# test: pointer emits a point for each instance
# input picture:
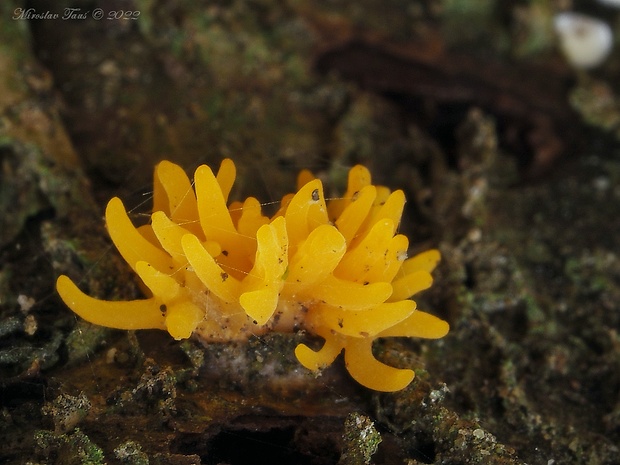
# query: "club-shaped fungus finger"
(226, 177)
(425, 261)
(129, 242)
(362, 323)
(173, 195)
(182, 319)
(369, 372)
(134, 314)
(356, 212)
(349, 294)
(215, 218)
(306, 211)
(410, 284)
(214, 278)
(317, 256)
(419, 324)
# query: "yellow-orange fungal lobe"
(223, 271)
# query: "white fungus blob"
(585, 41)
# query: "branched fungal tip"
(337, 269)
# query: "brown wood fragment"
(528, 100)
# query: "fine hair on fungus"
(224, 271)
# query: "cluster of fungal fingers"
(224, 271)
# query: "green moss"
(361, 440)
(598, 104)
(15, 48)
(533, 32)
(68, 449)
(131, 453)
(472, 23)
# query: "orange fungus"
(224, 271)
